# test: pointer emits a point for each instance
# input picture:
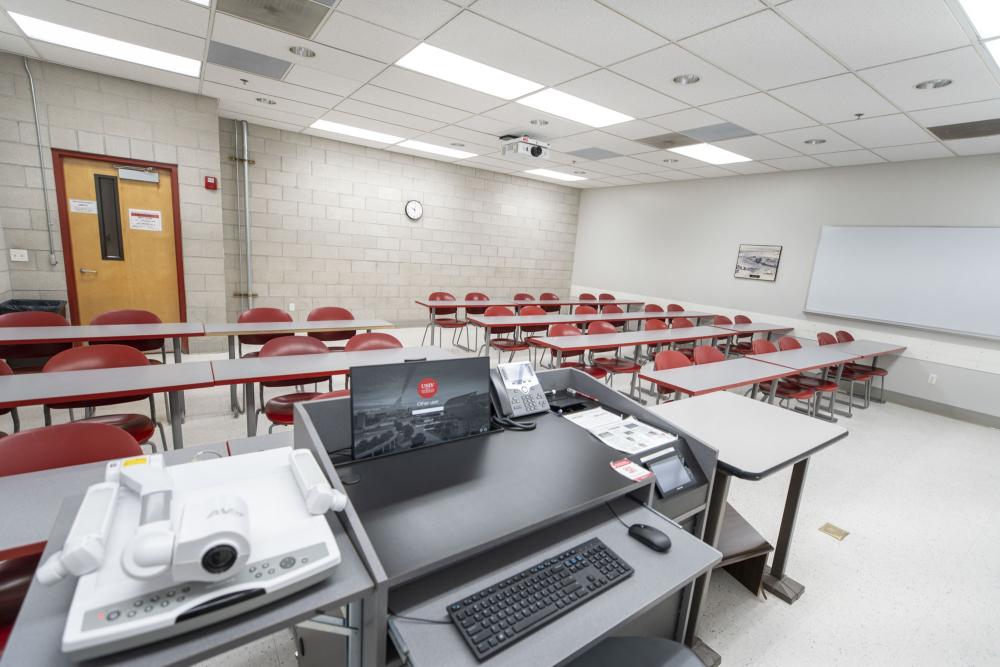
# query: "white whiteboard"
(941, 278)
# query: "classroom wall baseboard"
(942, 409)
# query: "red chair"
(585, 310)
(666, 360)
(683, 323)
(31, 358)
(606, 296)
(527, 330)
(587, 296)
(331, 313)
(5, 370)
(612, 309)
(654, 308)
(523, 296)
(97, 357)
(475, 296)
(503, 339)
(708, 354)
(373, 341)
(817, 384)
(130, 316)
(279, 410)
(846, 337)
(742, 342)
(446, 318)
(787, 389)
(614, 365)
(571, 330)
(721, 320)
(852, 374)
(675, 308)
(260, 316)
(42, 449)
(653, 325)
(550, 296)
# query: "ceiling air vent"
(979, 128)
(668, 141)
(719, 132)
(299, 17)
(593, 154)
(234, 57)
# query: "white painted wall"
(678, 242)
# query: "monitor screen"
(671, 474)
(397, 407)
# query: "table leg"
(248, 402)
(234, 401)
(180, 394)
(775, 579)
(713, 529)
(729, 345)
(485, 347)
(774, 390)
(175, 420)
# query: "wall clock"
(414, 209)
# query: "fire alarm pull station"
(211, 183)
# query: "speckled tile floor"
(917, 581)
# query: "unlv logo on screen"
(427, 388)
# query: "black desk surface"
(428, 508)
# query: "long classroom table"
(719, 376)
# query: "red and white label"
(633, 471)
(427, 388)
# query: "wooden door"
(120, 237)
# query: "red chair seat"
(616, 365)
(855, 375)
(508, 344)
(788, 389)
(449, 323)
(251, 355)
(340, 393)
(593, 371)
(741, 349)
(816, 384)
(138, 426)
(280, 408)
(862, 368)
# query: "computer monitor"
(398, 407)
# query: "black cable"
(418, 620)
(617, 516)
(511, 425)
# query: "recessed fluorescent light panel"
(105, 46)
(569, 106)
(454, 68)
(994, 48)
(351, 131)
(558, 175)
(985, 16)
(436, 150)
(710, 154)
(203, 3)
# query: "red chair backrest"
(523, 296)
(670, 359)
(499, 311)
(762, 346)
(653, 308)
(601, 328)
(742, 319)
(289, 346)
(675, 308)
(532, 310)
(721, 319)
(260, 315)
(606, 296)
(613, 309)
(548, 296)
(708, 354)
(5, 369)
(96, 357)
(681, 323)
(326, 313)
(585, 310)
(475, 296)
(824, 338)
(372, 341)
(844, 336)
(130, 316)
(653, 325)
(32, 319)
(788, 343)
(587, 296)
(64, 445)
(443, 296)
(564, 330)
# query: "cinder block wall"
(328, 228)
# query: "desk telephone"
(516, 390)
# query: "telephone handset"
(516, 390)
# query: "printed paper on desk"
(626, 435)
(633, 471)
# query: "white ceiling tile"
(487, 42)
(751, 168)
(522, 164)
(627, 163)
(797, 139)
(756, 148)
(926, 151)
(391, 99)
(849, 158)
(248, 97)
(609, 142)
(7, 24)
(367, 39)
(689, 119)
(666, 160)
(972, 81)
(796, 163)
(492, 164)
(634, 129)
(835, 99)
(863, 33)
(648, 178)
(582, 27)
(179, 15)
(602, 168)
(619, 180)
(451, 142)
(977, 146)
(895, 130)
(465, 134)
(119, 68)
(383, 114)
(242, 110)
(14, 44)
(961, 113)
(710, 171)
(682, 176)
(658, 68)
(366, 123)
(337, 137)
(676, 19)
(618, 93)
(764, 50)
(759, 113)
(435, 90)
(517, 120)
(265, 122)
(322, 81)
(417, 18)
(429, 156)
(268, 87)
(252, 37)
(486, 125)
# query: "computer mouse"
(654, 538)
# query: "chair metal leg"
(426, 329)
(16, 419)
(47, 414)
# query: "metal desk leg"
(234, 401)
(177, 360)
(713, 529)
(775, 579)
(175, 420)
(248, 402)
(485, 347)
(729, 345)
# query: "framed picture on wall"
(758, 262)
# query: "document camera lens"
(219, 558)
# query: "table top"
(868, 348)
(96, 332)
(554, 318)
(66, 386)
(264, 369)
(628, 338)
(249, 328)
(718, 376)
(808, 358)
(463, 303)
(754, 439)
(755, 327)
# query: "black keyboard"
(505, 613)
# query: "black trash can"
(25, 305)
